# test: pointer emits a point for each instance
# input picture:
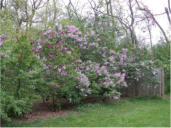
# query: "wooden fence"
(147, 90)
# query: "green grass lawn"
(133, 112)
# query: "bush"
(66, 65)
(86, 64)
(18, 66)
(162, 59)
(12, 107)
(93, 68)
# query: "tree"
(151, 16)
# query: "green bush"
(162, 59)
(12, 107)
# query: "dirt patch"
(41, 116)
(41, 111)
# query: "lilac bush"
(82, 59)
(62, 76)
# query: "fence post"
(162, 82)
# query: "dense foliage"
(63, 55)
(65, 64)
(162, 59)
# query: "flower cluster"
(107, 78)
(83, 80)
(123, 56)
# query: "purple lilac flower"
(124, 50)
(98, 73)
(111, 58)
(32, 42)
(103, 67)
(53, 85)
(0, 43)
(39, 46)
(123, 56)
(77, 79)
(116, 74)
(49, 55)
(112, 52)
(47, 32)
(50, 31)
(121, 79)
(87, 68)
(84, 79)
(36, 51)
(59, 43)
(72, 29)
(63, 73)
(3, 36)
(116, 98)
(82, 89)
(38, 57)
(60, 28)
(85, 43)
(64, 49)
(43, 42)
(92, 33)
(55, 53)
(50, 46)
(79, 61)
(78, 40)
(64, 67)
(92, 44)
(105, 63)
(49, 66)
(58, 86)
(96, 67)
(79, 33)
(115, 68)
(106, 72)
(69, 35)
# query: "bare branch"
(169, 6)
(2, 4)
(149, 14)
(168, 16)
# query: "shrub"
(12, 107)
(162, 59)
(18, 66)
(82, 61)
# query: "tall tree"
(151, 16)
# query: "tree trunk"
(18, 89)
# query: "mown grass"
(132, 112)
